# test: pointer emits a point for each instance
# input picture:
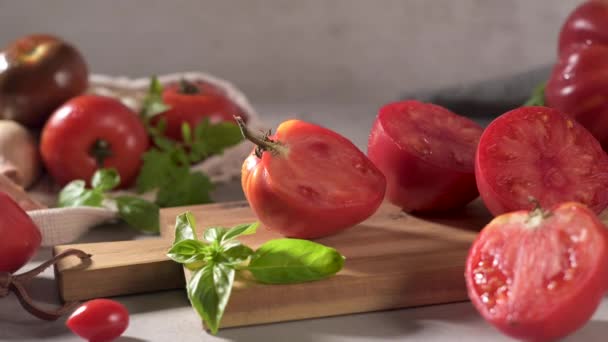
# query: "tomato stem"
(100, 150)
(263, 141)
(188, 88)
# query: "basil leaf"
(156, 170)
(74, 194)
(241, 229)
(209, 291)
(538, 96)
(236, 253)
(214, 234)
(186, 133)
(188, 251)
(105, 179)
(153, 103)
(285, 261)
(185, 226)
(190, 188)
(139, 213)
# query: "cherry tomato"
(99, 320)
(578, 85)
(19, 236)
(427, 154)
(91, 132)
(539, 275)
(308, 181)
(38, 73)
(191, 103)
(539, 152)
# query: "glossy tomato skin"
(578, 85)
(40, 72)
(205, 101)
(19, 236)
(74, 128)
(415, 182)
(539, 278)
(99, 320)
(540, 153)
(320, 201)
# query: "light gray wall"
(314, 50)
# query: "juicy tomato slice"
(539, 152)
(539, 275)
(99, 320)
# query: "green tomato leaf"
(236, 253)
(153, 103)
(212, 139)
(538, 96)
(105, 179)
(156, 171)
(190, 188)
(285, 261)
(209, 291)
(188, 251)
(185, 227)
(139, 213)
(74, 194)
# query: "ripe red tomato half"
(578, 85)
(91, 132)
(19, 236)
(539, 275)
(193, 102)
(99, 320)
(541, 153)
(307, 181)
(427, 154)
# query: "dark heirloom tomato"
(579, 82)
(192, 102)
(539, 275)
(99, 320)
(427, 154)
(38, 73)
(91, 132)
(19, 236)
(539, 152)
(309, 181)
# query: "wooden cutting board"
(393, 260)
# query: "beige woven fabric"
(64, 225)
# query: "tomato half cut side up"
(539, 275)
(539, 152)
(307, 181)
(427, 154)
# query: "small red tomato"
(91, 132)
(191, 103)
(308, 181)
(19, 236)
(427, 154)
(541, 153)
(586, 25)
(99, 320)
(539, 275)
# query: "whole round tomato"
(91, 132)
(307, 181)
(541, 153)
(19, 236)
(578, 85)
(427, 154)
(99, 320)
(539, 275)
(193, 102)
(38, 73)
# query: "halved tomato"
(539, 275)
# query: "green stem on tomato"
(100, 150)
(263, 141)
(188, 88)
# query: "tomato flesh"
(99, 320)
(19, 236)
(320, 185)
(427, 154)
(539, 152)
(539, 277)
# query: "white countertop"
(167, 316)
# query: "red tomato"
(19, 236)
(426, 153)
(99, 320)
(539, 275)
(539, 152)
(579, 82)
(192, 103)
(91, 132)
(311, 182)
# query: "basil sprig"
(217, 257)
(136, 212)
